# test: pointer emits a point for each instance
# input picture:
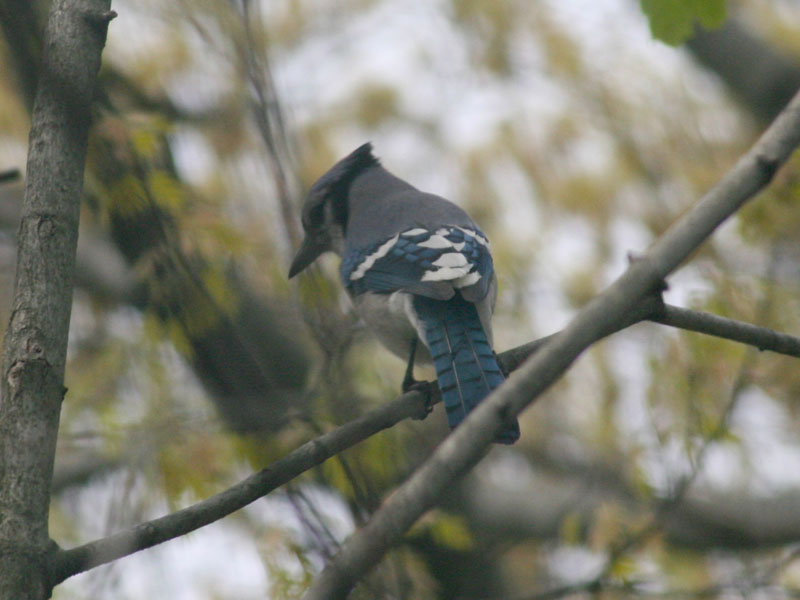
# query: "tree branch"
(762, 338)
(412, 405)
(145, 535)
(269, 117)
(35, 345)
(467, 444)
(651, 309)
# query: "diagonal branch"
(145, 535)
(468, 443)
(411, 405)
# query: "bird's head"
(325, 209)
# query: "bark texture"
(35, 345)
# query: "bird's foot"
(425, 388)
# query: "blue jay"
(417, 269)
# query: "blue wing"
(432, 266)
(423, 262)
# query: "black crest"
(344, 171)
(333, 187)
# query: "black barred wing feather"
(423, 262)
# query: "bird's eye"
(316, 216)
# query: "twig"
(762, 338)
(269, 118)
(651, 309)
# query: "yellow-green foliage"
(165, 190)
(128, 196)
(198, 464)
(147, 137)
(775, 214)
(672, 21)
(447, 530)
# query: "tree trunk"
(35, 345)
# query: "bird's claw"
(424, 388)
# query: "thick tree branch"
(464, 448)
(35, 345)
(411, 405)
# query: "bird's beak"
(312, 247)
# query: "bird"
(417, 269)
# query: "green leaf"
(710, 13)
(672, 21)
(452, 531)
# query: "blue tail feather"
(466, 366)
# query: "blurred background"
(664, 464)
